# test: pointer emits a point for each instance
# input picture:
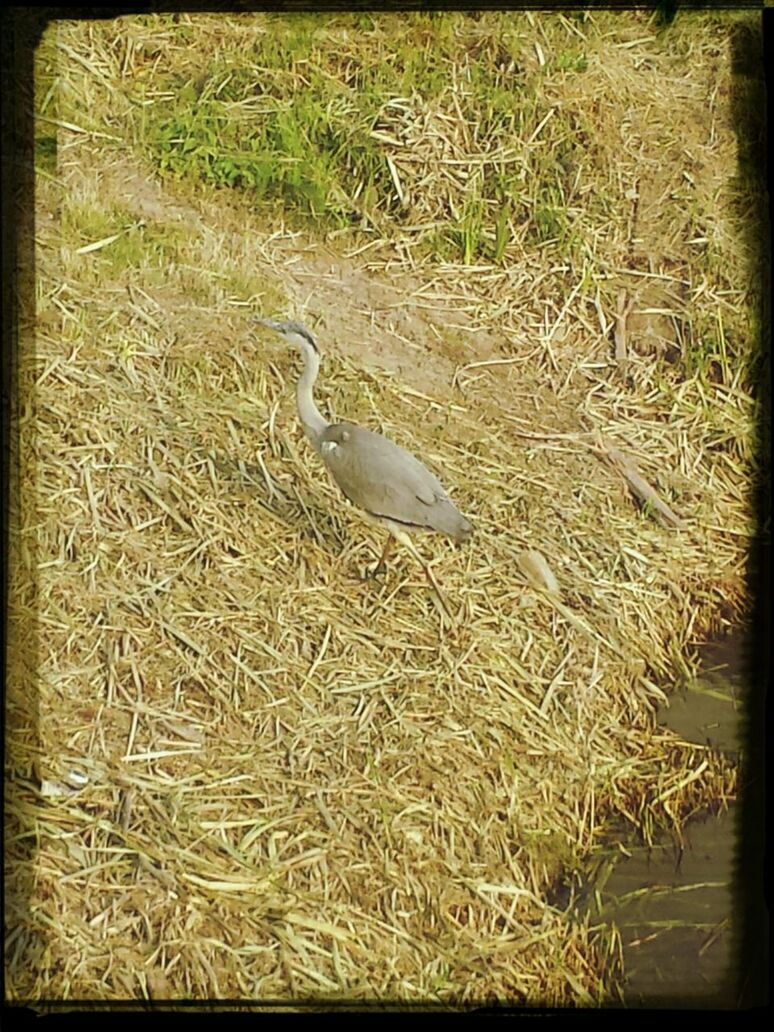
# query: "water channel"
(677, 908)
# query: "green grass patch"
(124, 242)
(299, 120)
(470, 138)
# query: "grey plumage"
(384, 480)
(388, 482)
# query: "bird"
(388, 484)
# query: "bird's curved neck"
(311, 418)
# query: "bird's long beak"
(271, 324)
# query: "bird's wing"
(382, 478)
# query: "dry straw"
(252, 773)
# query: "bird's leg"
(381, 566)
(406, 541)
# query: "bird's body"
(388, 483)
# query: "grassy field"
(528, 246)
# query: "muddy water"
(674, 908)
(675, 915)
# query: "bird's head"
(293, 332)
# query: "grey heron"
(391, 486)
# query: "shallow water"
(710, 709)
(676, 919)
(674, 908)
